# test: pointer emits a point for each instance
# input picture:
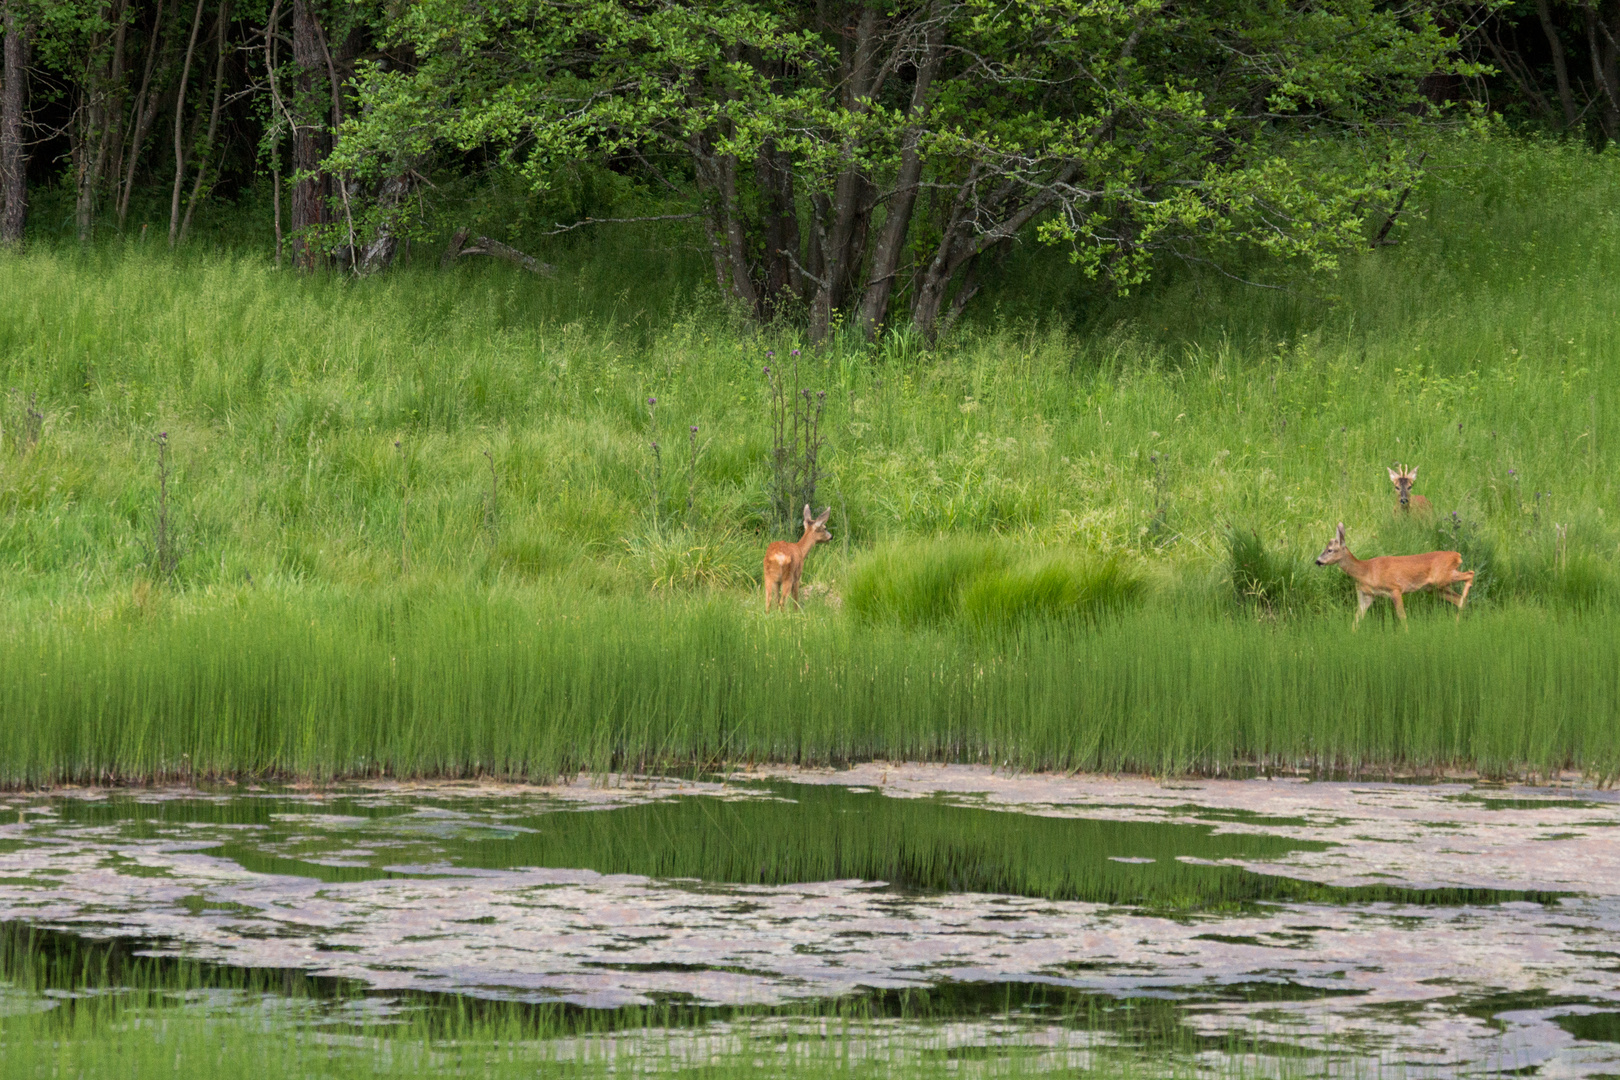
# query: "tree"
(13, 100)
(912, 137)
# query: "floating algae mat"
(926, 914)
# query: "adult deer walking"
(1392, 575)
(784, 562)
(1403, 479)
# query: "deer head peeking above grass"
(1403, 479)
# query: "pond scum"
(535, 685)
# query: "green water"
(783, 834)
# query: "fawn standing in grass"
(784, 562)
(1392, 575)
(1403, 479)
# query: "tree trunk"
(278, 112)
(1555, 45)
(179, 129)
(842, 238)
(780, 225)
(963, 239)
(340, 181)
(897, 222)
(310, 186)
(98, 119)
(222, 31)
(391, 199)
(142, 112)
(13, 154)
(717, 182)
(1600, 40)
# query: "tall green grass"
(356, 591)
(1144, 428)
(537, 684)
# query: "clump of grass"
(1272, 583)
(987, 584)
(920, 584)
(666, 558)
(1571, 580)
(1051, 587)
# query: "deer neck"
(1351, 565)
(806, 542)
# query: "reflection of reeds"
(535, 683)
(95, 1009)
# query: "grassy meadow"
(416, 524)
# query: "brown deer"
(784, 562)
(1403, 479)
(1392, 575)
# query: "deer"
(784, 561)
(1403, 479)
(1392, 575)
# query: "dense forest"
(846, 162)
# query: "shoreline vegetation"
(475, 522)
(533, 686)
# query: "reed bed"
(537, 685)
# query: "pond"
(1255, 926)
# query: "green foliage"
(1124, 131)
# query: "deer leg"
(769, 589)
(1363, 602)
(1467, 584)
(796, 599)
(1400, 607)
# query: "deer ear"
(821, 519)
(1413, 472)
(1394, 476)
(1340, 534)
(807, 515)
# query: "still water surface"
(1425, 928)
